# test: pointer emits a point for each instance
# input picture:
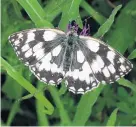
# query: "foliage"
(111, 104)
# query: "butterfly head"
(73, 28)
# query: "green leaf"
(35, 12)
(125, 119)
(53, 9)
(41, 116)
(123, 34)
(107, 25)
(112, 119)
(124, 107)
(63, 89)
(132, 55)
(63, 113)
(70, 12)
(17, 9)
(127, 83)
(134, 121)
(99, 18)
(12, 89)
(13, 111)
(122, 93)
(28, 86)
(5, 104)
(85, 105)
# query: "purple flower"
(85, 31)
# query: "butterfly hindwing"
(42, 50)
(80, 77)
(106, 63)
(49, 68)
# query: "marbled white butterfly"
(82, 61)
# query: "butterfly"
(82, 61)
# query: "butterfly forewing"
(32, 45)
(42, 50)
(106, 63)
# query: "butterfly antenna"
(85, 20)
(88, 29)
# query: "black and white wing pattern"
(98, 63)
(80, 77)
(42, 50)
(83, 62)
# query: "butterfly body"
(82, 61)
(70, 43)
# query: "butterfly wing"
(80, 77)
(107, 64)
(41, 50)
(94, 62)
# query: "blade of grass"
(13, 92)
(42, 118)
(123, 34)
(132, 55)
(63, 113)
(85, 105)
(13, 111)
(53, 8)
(112, 119)
(127, 83)
(36, 13)
(98, 17)
(28, 86)
(70, 12)
(17, 9)
(63, 89)
(107, 25)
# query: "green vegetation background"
(111, 104)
